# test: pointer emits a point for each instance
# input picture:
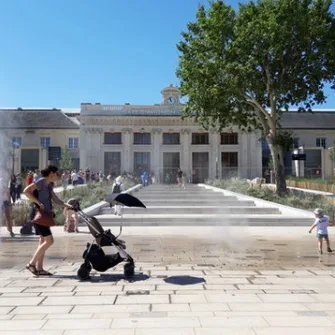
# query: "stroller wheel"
(87, 266)
(84, 271)
(129, 270)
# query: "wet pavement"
(227, 247)
(188, 281)
(231, 280)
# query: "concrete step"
(228, 220)
(196, 202)
(207, 195)
(176, 190)
(196, 206)
(162, 202)
(222, 210)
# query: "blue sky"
(61, 53)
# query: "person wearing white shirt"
(74, 177)
(321, 223)
(118, 187)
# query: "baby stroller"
(94, 256)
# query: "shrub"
(20, 212)
(87, 195)
(293, 198)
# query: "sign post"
(298, 157)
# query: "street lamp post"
(16, 145)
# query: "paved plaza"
(228, 279)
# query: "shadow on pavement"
(113, 278)
(15, 239)
(184, 280)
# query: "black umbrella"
(125, 199)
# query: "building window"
(229, 159)
(229, 138)
(141, 162)
(229, 162)
(73, 143)
(142, 138)
(17, 141)
(75, 163)
(200, 138)
(321, 142)
(171, 138)
(45, 142)
(112, 163)
(112, 138)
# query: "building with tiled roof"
(117, 138)
(39, 134)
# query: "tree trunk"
(278, 166)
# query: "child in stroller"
(94, 256)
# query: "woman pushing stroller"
(42, 195)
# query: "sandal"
(32, 269)
(43, 273)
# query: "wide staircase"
(197, 206)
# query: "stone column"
(83, 142)
(243, 156)
(156, 164)
(94, 152)
(186, 159)
(98, 145)
(214, 158)
(17, 160)
(257, 156)
(127, 149)
(44, 157)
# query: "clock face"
(171, 100)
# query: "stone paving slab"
(31, 332)
(241, 292)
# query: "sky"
(65, 52)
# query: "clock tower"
(171, 95)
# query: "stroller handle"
(75, 204)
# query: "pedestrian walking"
(41, 193)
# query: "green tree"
(332, 152)
(332, 157)
(66, 162)
(247, 67)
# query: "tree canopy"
(66, 162)
(247, 67)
